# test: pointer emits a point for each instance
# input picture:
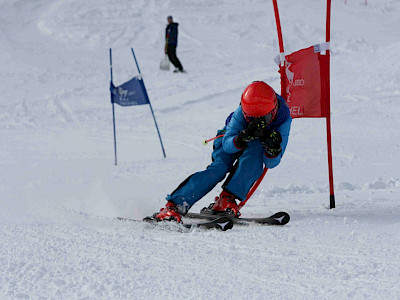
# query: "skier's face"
(268, 118)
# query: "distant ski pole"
(151, 108)
(113, 112)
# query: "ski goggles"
(268, 118)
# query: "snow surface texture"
(60, 191)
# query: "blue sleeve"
(236, 124)
(284, 130)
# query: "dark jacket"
(171, 34)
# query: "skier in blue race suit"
(256, 134)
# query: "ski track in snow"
(60, 192)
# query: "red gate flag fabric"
(307, 78)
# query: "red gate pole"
(254, 187)
(328, 100)
(281, 49)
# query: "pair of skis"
(223, 221)
(279, 218)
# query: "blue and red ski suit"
(245, 173)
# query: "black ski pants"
(171, 51)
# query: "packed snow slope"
(60, 190)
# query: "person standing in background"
(171, 43)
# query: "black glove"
(271, 141)
(255, 129)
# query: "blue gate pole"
(151, 108)
(113, 111)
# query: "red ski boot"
(168, 213)
(226, 203)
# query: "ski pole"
(205, 142)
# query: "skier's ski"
(280, 218)
(218, 222)
(222, 223)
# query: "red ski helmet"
(258, 99)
